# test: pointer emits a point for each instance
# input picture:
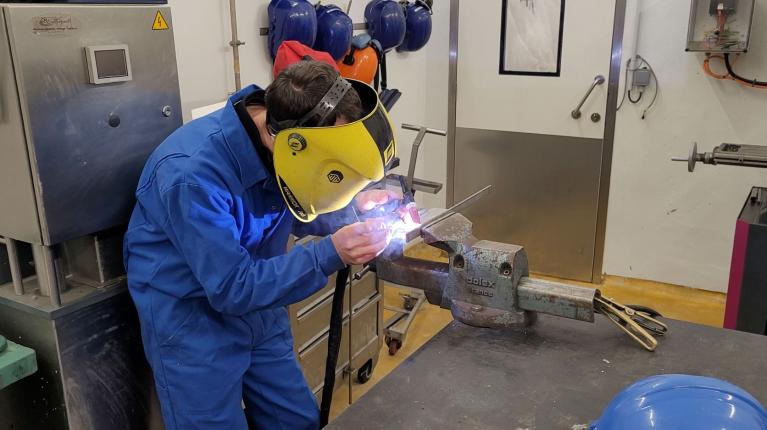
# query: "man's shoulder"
(193, 154)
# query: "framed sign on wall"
(531, 37)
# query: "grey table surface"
(558, 374)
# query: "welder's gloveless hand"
(370, 199)
(361, 242)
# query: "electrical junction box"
(720, 26)
(16, 362)
(642, 77)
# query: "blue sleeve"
(326, 224)
(204, 231)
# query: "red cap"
(291, 51)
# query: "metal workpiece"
(429, 276)
(728, 154)
(555, 298)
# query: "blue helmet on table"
(334, 31)
(682, 401)
(291, 20)
(386, 23)
(418, 25)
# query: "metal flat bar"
(557, 299)
(463, 204)
(452, 101)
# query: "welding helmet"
(418, 26)
(386, 22)
(334, 31)
(321, 169)
(363, 59)
(291, 20)
(682, 401)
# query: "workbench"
(557, 374)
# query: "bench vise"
(487, 284)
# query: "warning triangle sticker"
(159, 22)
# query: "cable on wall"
(730, 73)
(643, 77)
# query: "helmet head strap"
(321, 111)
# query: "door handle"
(598, 80)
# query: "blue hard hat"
(291, 20)
(386, 22)
(418, 24)
(334, 31)
(682, 402)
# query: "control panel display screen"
(108, 64)
(111, 63)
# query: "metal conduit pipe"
(235, 43)
(13, 263)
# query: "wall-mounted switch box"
(722, 26)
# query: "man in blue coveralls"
(206, 254)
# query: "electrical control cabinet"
(86, 93)
(720, 26)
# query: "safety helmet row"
(405, 26)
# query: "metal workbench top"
(559, 374)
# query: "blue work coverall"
(207, 268)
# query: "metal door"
(549, 166)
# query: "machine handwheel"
(365, 372)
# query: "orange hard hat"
(360, 64)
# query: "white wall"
(202, 35)
(663, 223)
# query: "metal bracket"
(264, 31)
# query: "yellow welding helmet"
(321, 169)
